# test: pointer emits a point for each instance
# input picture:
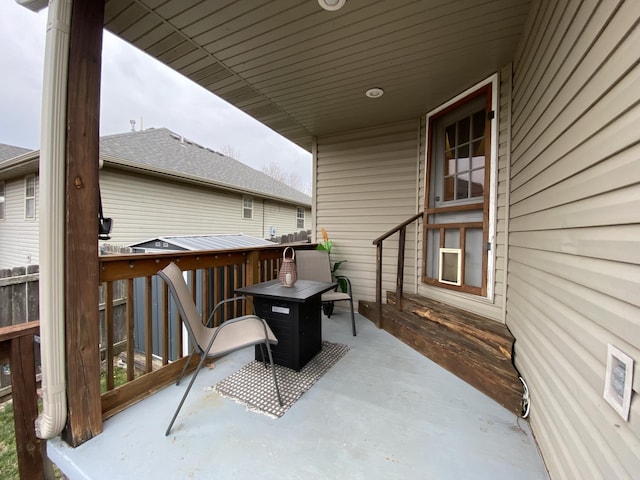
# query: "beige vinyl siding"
(282, 216)
(492, 307)
(18, 237)
(144, 207)
(574, 261)
(366, 185)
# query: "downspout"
(52, 190)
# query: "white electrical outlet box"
(618, 380)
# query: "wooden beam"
(81, 243)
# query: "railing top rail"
(20, 330)
(397, 228)
(120, 267)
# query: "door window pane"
(478, 124)
(463, 131)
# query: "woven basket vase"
(287, 275)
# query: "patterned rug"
(252, 385)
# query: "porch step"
(476, 349)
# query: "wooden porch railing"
(402, 229)
(213, 276)
(17, 348)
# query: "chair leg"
(184, 369)
(273, 371)
(264, 360)
(353, 318)
(184, 397)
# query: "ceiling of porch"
(303, 71)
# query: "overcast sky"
(134, 87)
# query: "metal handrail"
(402, 229)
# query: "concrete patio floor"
(382, 412)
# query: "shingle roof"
(10, 151)
(161, 149)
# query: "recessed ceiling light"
(374, 93)
(332, 5)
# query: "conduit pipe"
(52, 220)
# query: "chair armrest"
(342, 277)
(228, 300)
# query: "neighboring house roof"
(201, 242)
(10, 151)
(162, 151)
(17, 161)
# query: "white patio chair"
(207, 341)
(315, 265)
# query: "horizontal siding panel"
(585, 341)
(613, 208)
(597, 459)
(614, 315)
(573, 269)
(574, 43)
(605, 111)
(616, 173)
(357, 205)
(618, 280)
(615, 243)
(551, 19)
(560, 60)
(611, 142)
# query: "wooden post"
(81, 243)
(17, 347)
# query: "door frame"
(490, 87)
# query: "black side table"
(294, 315)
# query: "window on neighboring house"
(300, 218)
(247, 207)
(30, 197)
(2, 199)
(458, 169)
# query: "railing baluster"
(148, 324)
(165, 324)
(205, 293)
(130, 330)
(108, 321)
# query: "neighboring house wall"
(143, 207)
(366, 185)
(281, 216)
(18, 237)
(573, 271)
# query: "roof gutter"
(52, 221)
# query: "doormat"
(252, 385)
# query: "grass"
(8, 455)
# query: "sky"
(134, 87)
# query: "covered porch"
(382, 411)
